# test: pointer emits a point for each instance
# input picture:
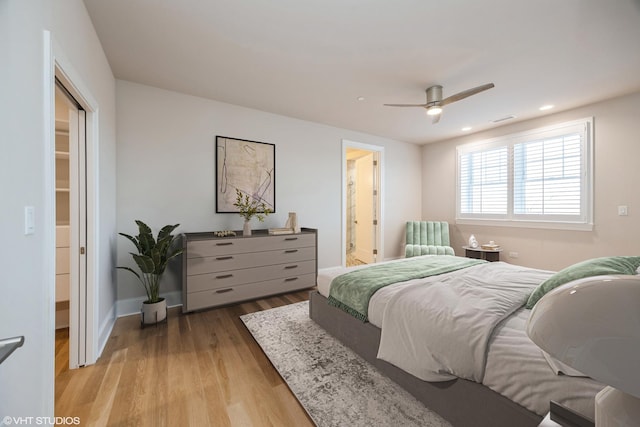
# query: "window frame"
(583, 221)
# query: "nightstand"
(547, 422)
(479, 253)
(561, 416)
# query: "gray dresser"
(224, 270)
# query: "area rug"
(334, 385)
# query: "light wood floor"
(200, 369)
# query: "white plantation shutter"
(547, 176)
(541, 176)
(484, 182)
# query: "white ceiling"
(312, 59)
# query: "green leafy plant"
(250, 207)
(152, 257)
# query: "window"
(539, 178)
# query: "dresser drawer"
(224, 279)
(228, 262)
(215, 247)
(204, 299)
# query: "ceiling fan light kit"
(435, 102)
(434, 110)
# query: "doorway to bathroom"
(362, 207)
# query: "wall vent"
(502, 119)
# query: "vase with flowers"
(248, 207)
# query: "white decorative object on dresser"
(224, 270)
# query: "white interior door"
(77, 232)
(364, 209)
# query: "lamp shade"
(593, 325)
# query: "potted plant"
(152, 258)
(248, 208)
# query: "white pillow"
(560, 368)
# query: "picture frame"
(248, 166)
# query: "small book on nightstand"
(489, 247)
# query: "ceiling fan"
(435, 102)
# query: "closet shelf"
(62, 155)
(62, 126)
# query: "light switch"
(622, 210)
(29, 220)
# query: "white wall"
(166, 171)
(617, 175)
(75, 36)
(27, 287)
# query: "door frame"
(379, 240)
(58, 66)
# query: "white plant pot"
(246, 230)
(154, 312)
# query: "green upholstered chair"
(428, 238)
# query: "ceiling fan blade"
(466, 93)
(406, 105)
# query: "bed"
(510, 382)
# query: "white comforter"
(438, 328)
(515, 366)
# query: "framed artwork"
(248, 166)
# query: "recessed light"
(546, 107)
(466, 128)
(361, 98)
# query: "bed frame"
(459, 401)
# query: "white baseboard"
(130, 306)
(105, 330)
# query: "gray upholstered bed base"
(461, 402)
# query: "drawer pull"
(290, 251)
(224, 243)
(290, 279)
(224, 276)
(290, 238)
(222, 258)
(288, 267)
(224, 291)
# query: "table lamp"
(593, 325)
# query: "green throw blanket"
(352, 291)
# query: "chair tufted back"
(428, 238)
